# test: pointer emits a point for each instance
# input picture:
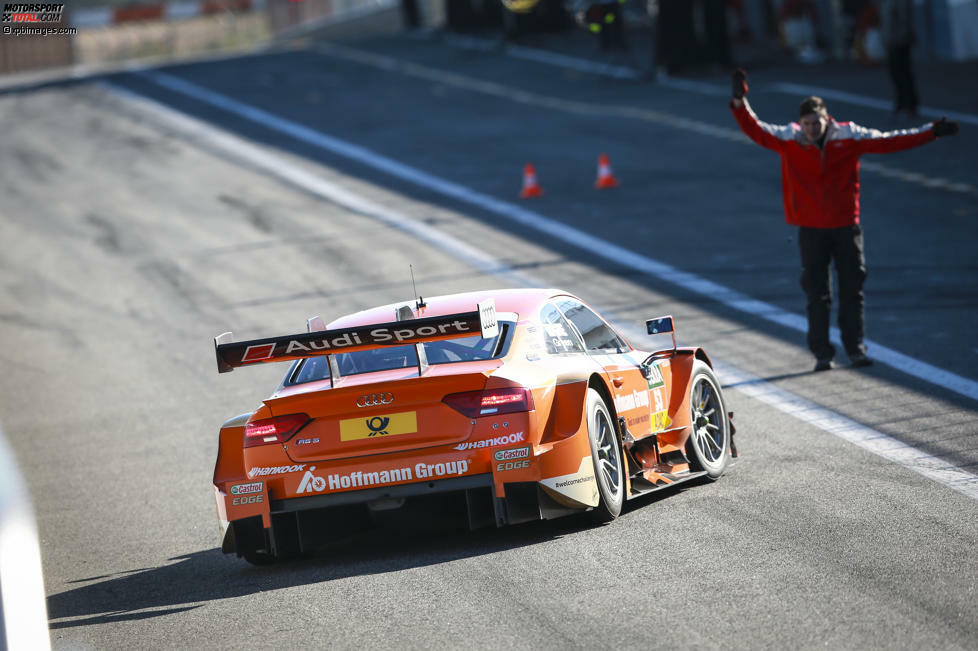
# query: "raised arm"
(872, 141)
(766, 135)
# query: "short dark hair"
(812, 105)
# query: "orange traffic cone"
(530, 186)
(605, 178)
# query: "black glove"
(739, 83)
(944, 128)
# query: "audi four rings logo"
(375, 400)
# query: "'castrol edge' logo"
(246, 489)
(512, 453)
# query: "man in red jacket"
(820, 186)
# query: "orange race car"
(499, 407)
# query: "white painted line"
(869, 102)
(703, 88)
(464, 42)
(546, 57)
(601, 248)
(341, 14)
(266, 161)
(828, 93)
(564, 61)
(510, 93)
(880, 444)
(263, 160)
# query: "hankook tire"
(606, 457)
(708, 446)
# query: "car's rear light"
(490, 403)
(273, 430)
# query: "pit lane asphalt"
(151, 244)
(683, 191)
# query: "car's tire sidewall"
(698, 460)
(610, 501)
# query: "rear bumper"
(304, 524)
(498, 479)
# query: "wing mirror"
(660, 326)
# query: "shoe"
(824, 364)
(859, 360)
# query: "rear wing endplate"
(231, 355)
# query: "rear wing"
(319, 341)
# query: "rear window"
(464, 349)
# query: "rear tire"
(259, 558)
(708, 446)
(606, 457)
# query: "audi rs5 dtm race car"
(499, 407)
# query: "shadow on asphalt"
(210, 575)
(768, 379)
(117, 617)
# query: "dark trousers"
(612, 34)
(844, 247)
(901, 72)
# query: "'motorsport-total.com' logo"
(34, 19)
(32, 13)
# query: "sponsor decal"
(515, 437)
(635, 422)
(512, 453)
(661, 421)
(512, 465)
(660, 417)
(632, 400)
(574, 482)
(261, 471)
(655, 378)
(248, 499)
(378, 426)
(560, 340)
(232, 354)
(427, 470)
(576, 489)
(246, 489)
(258, 353)
(315, 484)
(311, 483)
(535, 348)
(555, 329)
(383, 336)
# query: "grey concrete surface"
(127, 245)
